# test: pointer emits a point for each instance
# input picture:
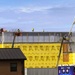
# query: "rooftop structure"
(33, 37)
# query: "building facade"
(39, 47)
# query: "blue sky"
(47, 15)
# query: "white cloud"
(36, 9)
(28, 9)
(39, 9)
(31, 9)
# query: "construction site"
(47, 53)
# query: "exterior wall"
(41, 55)
(34, 37)
(37, 46)
(5, 68)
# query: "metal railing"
(34, 37)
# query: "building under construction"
(41, 50)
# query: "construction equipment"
(18, 33)
(67, 38)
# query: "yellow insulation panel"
(73, 56)
(41, 55)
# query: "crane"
(68, 40)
